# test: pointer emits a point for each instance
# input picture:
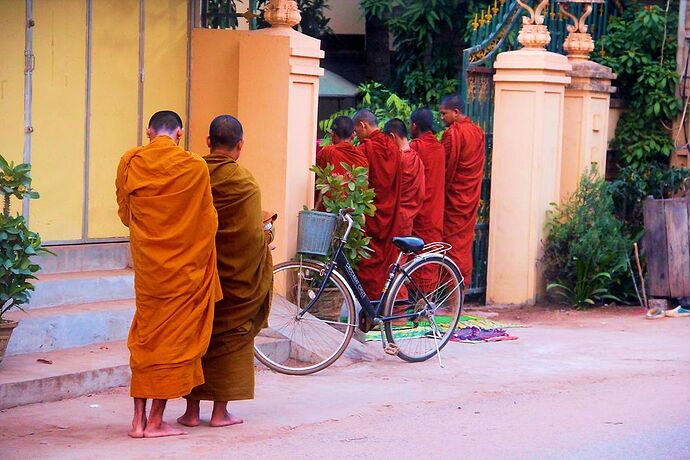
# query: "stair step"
(73, 372)
(82, 287)
(85, 257)
(56, 328)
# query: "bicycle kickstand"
(438, 351)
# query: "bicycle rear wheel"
(434, 287)
(300, 346)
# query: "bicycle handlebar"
(345, 215)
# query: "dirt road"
(604, 384)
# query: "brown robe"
(246, 275)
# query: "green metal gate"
(494, 31)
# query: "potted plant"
(317, 228)
(17, 246)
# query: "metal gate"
(494, 31)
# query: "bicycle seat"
(408, 243)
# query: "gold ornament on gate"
(534, 35)
(282, 13)
(578, 44)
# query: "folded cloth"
(475, 334)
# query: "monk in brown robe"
(164, 197)
(385, 177)
(413, 180)
(341, 149)
(465, 153)
(246, 275)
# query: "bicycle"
(313, 307)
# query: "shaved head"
(423, 119)
(343, 127)
(366, 116)
(395, 126)
(453, 102)
(225, 132)
(165, 121)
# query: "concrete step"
(56, 328)
(85, 257)
(72, 372)
(82, 287)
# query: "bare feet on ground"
(188, 419)
(225, 419)
(161, 430)
(138, 427)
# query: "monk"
(246, 275)
(428, 224)
(385, 177)
(164, 197)
(413, 181)
(341, 149)
(465, 153)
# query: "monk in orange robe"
(413, 180)
(428, 224)
(164, 197)
(465, 156)
(385, 177)
(341, 149)
(246, 275)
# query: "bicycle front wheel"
(433, 287)
(301, 345)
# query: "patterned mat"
(403, 332)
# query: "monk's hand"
(272, 247)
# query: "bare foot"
(138, 427)
(188, 419)
(225, 419)
(164, 429)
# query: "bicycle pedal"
(391, 349)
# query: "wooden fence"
(667, 246)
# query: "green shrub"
(384, 103)
(640, 47)
(585, 251)
(635, 183)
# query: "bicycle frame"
(371, 308)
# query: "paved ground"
(603, 384)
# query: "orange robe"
(428, 225)
(246, 275)
(412, 191)
(342, 152)
(465, 153)
(385, 177)
(164, 197)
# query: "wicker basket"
(315, 232)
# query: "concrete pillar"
(269, 80)
(585, 122)
(277, 102)
(526, 165)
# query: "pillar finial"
(534, 35)
(282, 13)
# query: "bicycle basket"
(315, 232)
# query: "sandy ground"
(600, 384)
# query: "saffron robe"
(385, 177)
(342, 152)
(164, 197)
(412, 190)
(246, 275)
(428, 224)
(465, 156)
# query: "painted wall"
(78, 140)
(346, 17)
